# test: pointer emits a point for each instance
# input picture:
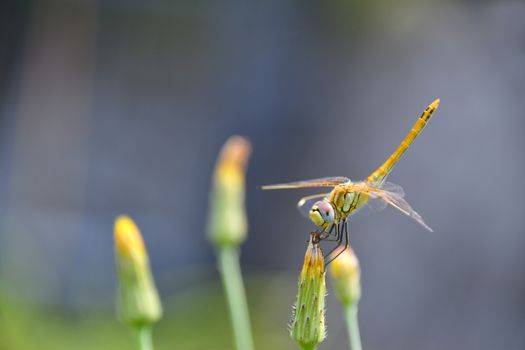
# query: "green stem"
(353, 327)
(234, 288)
(308, 347)
(144, 339)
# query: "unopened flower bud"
(227, 223)
(138, 300)
(308, 320)
(345, 275)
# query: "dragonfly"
(330, 211)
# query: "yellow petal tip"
(128, 239)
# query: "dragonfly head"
(322, 214)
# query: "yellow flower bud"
(345, 275)
(138, 302)
(308, 320)
(227, 223)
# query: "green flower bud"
(138, 300)
(346, 277)
(227, 225)
(308, 319)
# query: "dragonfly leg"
(331, 233)
(345, 227)
(335, 234)
(326, 234)
(337, 229)
(339, 240)
(319, 235)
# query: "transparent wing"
(374, 205)
(377, 203)
(322, 182)
(397, 201)
(393, 188)
(305, 204)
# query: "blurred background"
(110, 107)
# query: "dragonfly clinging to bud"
(330, 211)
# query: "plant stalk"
(235, 294)
(353, 327)
(144, 338)
(308, 347)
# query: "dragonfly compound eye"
(322, 213)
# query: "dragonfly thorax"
(348, 197)
(322, 213)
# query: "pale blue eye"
(330, 217)
(326, 210)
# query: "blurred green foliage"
(195, 318)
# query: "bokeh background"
(110, 107)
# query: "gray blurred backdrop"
(111, 107)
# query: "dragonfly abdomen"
(378, 176)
